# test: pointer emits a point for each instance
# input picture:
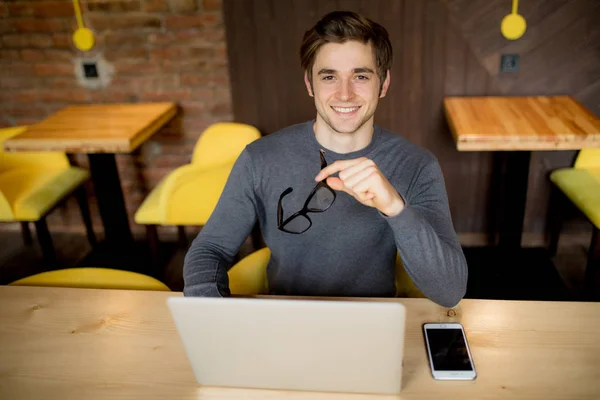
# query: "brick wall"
(159, 50)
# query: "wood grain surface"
(59, 343)
(103, 128)
(521, 123)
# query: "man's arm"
(427, 242)
(422, 224)
(212, 251)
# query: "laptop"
(295, 344)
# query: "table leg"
(109, 194)
(515, 194)
(593, 265)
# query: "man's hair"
(340, 27)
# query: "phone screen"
(448, 350)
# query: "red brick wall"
(171, 50)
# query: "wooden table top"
(521, 123)
(61, 343)
(102, 128)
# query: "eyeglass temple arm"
(280, 207)
(323, 161)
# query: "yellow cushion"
(222, 143)
(94, 278)
(31, 193)
(187, 196)
(582, 187)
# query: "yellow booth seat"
(93, 278)
(249, 276)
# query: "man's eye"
(362, 77)
(328, 78)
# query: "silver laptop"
(314, 345)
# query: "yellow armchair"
(189, 194)
(249, 276)
(579, 186)
(32, 184)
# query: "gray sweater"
(350, 249)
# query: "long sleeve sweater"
(350, 249)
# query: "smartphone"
(448, 351)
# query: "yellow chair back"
(588, 159)
(249, 276)
(191, 194)
(31, 159)
(222, 143)
(93, 278)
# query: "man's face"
(345, 85)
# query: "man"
(336, 197)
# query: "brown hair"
(340, 27)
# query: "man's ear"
(308, 84)
(385, 85)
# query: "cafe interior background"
(237, 61)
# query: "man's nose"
(345, 92)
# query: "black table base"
(515, 177)
(111, 202)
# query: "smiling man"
(336, 197)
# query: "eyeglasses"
(319, 200)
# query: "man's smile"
(345, 111)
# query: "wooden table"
(99, 131)
(59, 343)
(518, 126)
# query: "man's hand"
(362, 179)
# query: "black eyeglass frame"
(305, 209)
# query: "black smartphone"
(448, 351)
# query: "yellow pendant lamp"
(83, 38)
(513, 25)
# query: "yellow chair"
(580, 185)
(93, 278)
(189, 194)
(249, 276)
(33, 184)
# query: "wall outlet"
(90, 70)
(93, 72)
(509, 63)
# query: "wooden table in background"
(99, 131)
(60, 343)
(518, 126)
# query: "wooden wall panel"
(441, 48)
